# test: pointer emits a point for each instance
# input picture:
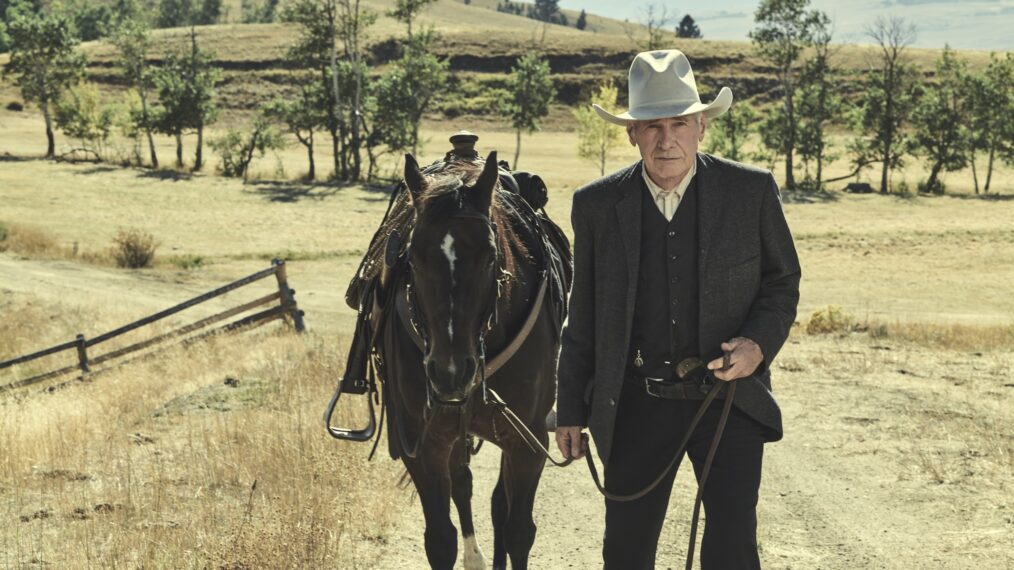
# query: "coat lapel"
(710, 199)
(628, 217)
(709, 206)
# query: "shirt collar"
(681, 188)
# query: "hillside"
(481, 46)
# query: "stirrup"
(350, 434)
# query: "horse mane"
(443, 197)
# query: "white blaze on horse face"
(474, 560)
(447, 246)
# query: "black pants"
(647, 434)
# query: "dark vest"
(666, 309)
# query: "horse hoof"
(474, 560)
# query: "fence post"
(82, 354)
(288, 295)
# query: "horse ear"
(414, 179)
(481, 194)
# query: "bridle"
(490, 314)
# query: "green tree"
(80, 115)
(940, 133)
(687, 28)
(201, 77)
(237, 150)
(302, 116)
(180, 13)
(186, 90)
(818, 105)
(133, 41)
(91, 21)
(330, 45)
(784, 29)
(597, 139)
(727, 134)
(886, 101)
(546, 10)
(406, 11)
(42, 59)
(254, 12)
(582, 20)
(990, 108)
(530, 91)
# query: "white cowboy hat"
(662, 85)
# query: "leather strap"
(504, 355)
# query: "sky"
(964, 24)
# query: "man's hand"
(572, 443)
(744, 357)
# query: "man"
(681, 256)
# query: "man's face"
(668, 146)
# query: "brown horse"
(474, 280)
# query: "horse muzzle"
(451, 385)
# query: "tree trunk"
(50, 139)
(885, 157)
(517, 151)
(989, 168)
(309, 154)
(147, 130)
(790, 143)
(975, 175)
(337, 154)
(179, 150)
(931, 184)
(199, 155)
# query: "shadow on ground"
(291, 191)
(174, 175)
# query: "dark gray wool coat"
(749, 286)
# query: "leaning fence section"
(284, 306)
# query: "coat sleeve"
(577, 352)
(774, 308)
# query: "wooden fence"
(286, 307)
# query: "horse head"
(453, 257)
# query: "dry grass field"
(899, 416)
(898, 450)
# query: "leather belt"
(675, 390)
(693, 382)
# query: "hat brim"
(719, 105)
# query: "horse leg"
(433, 483)
(524, 468)
(461, 492)
(499, 508)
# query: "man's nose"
(667, 138)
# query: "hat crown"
(662, 76)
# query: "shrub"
(237, 150)
(187, 261)
(134, 248)
(830, 319)
(938, 187)
(4, 232)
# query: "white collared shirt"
(668, 200)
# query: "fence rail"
(286, 307)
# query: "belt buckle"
(648, 383)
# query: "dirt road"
(884, 465)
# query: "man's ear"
(704, 127)
(631, 127)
